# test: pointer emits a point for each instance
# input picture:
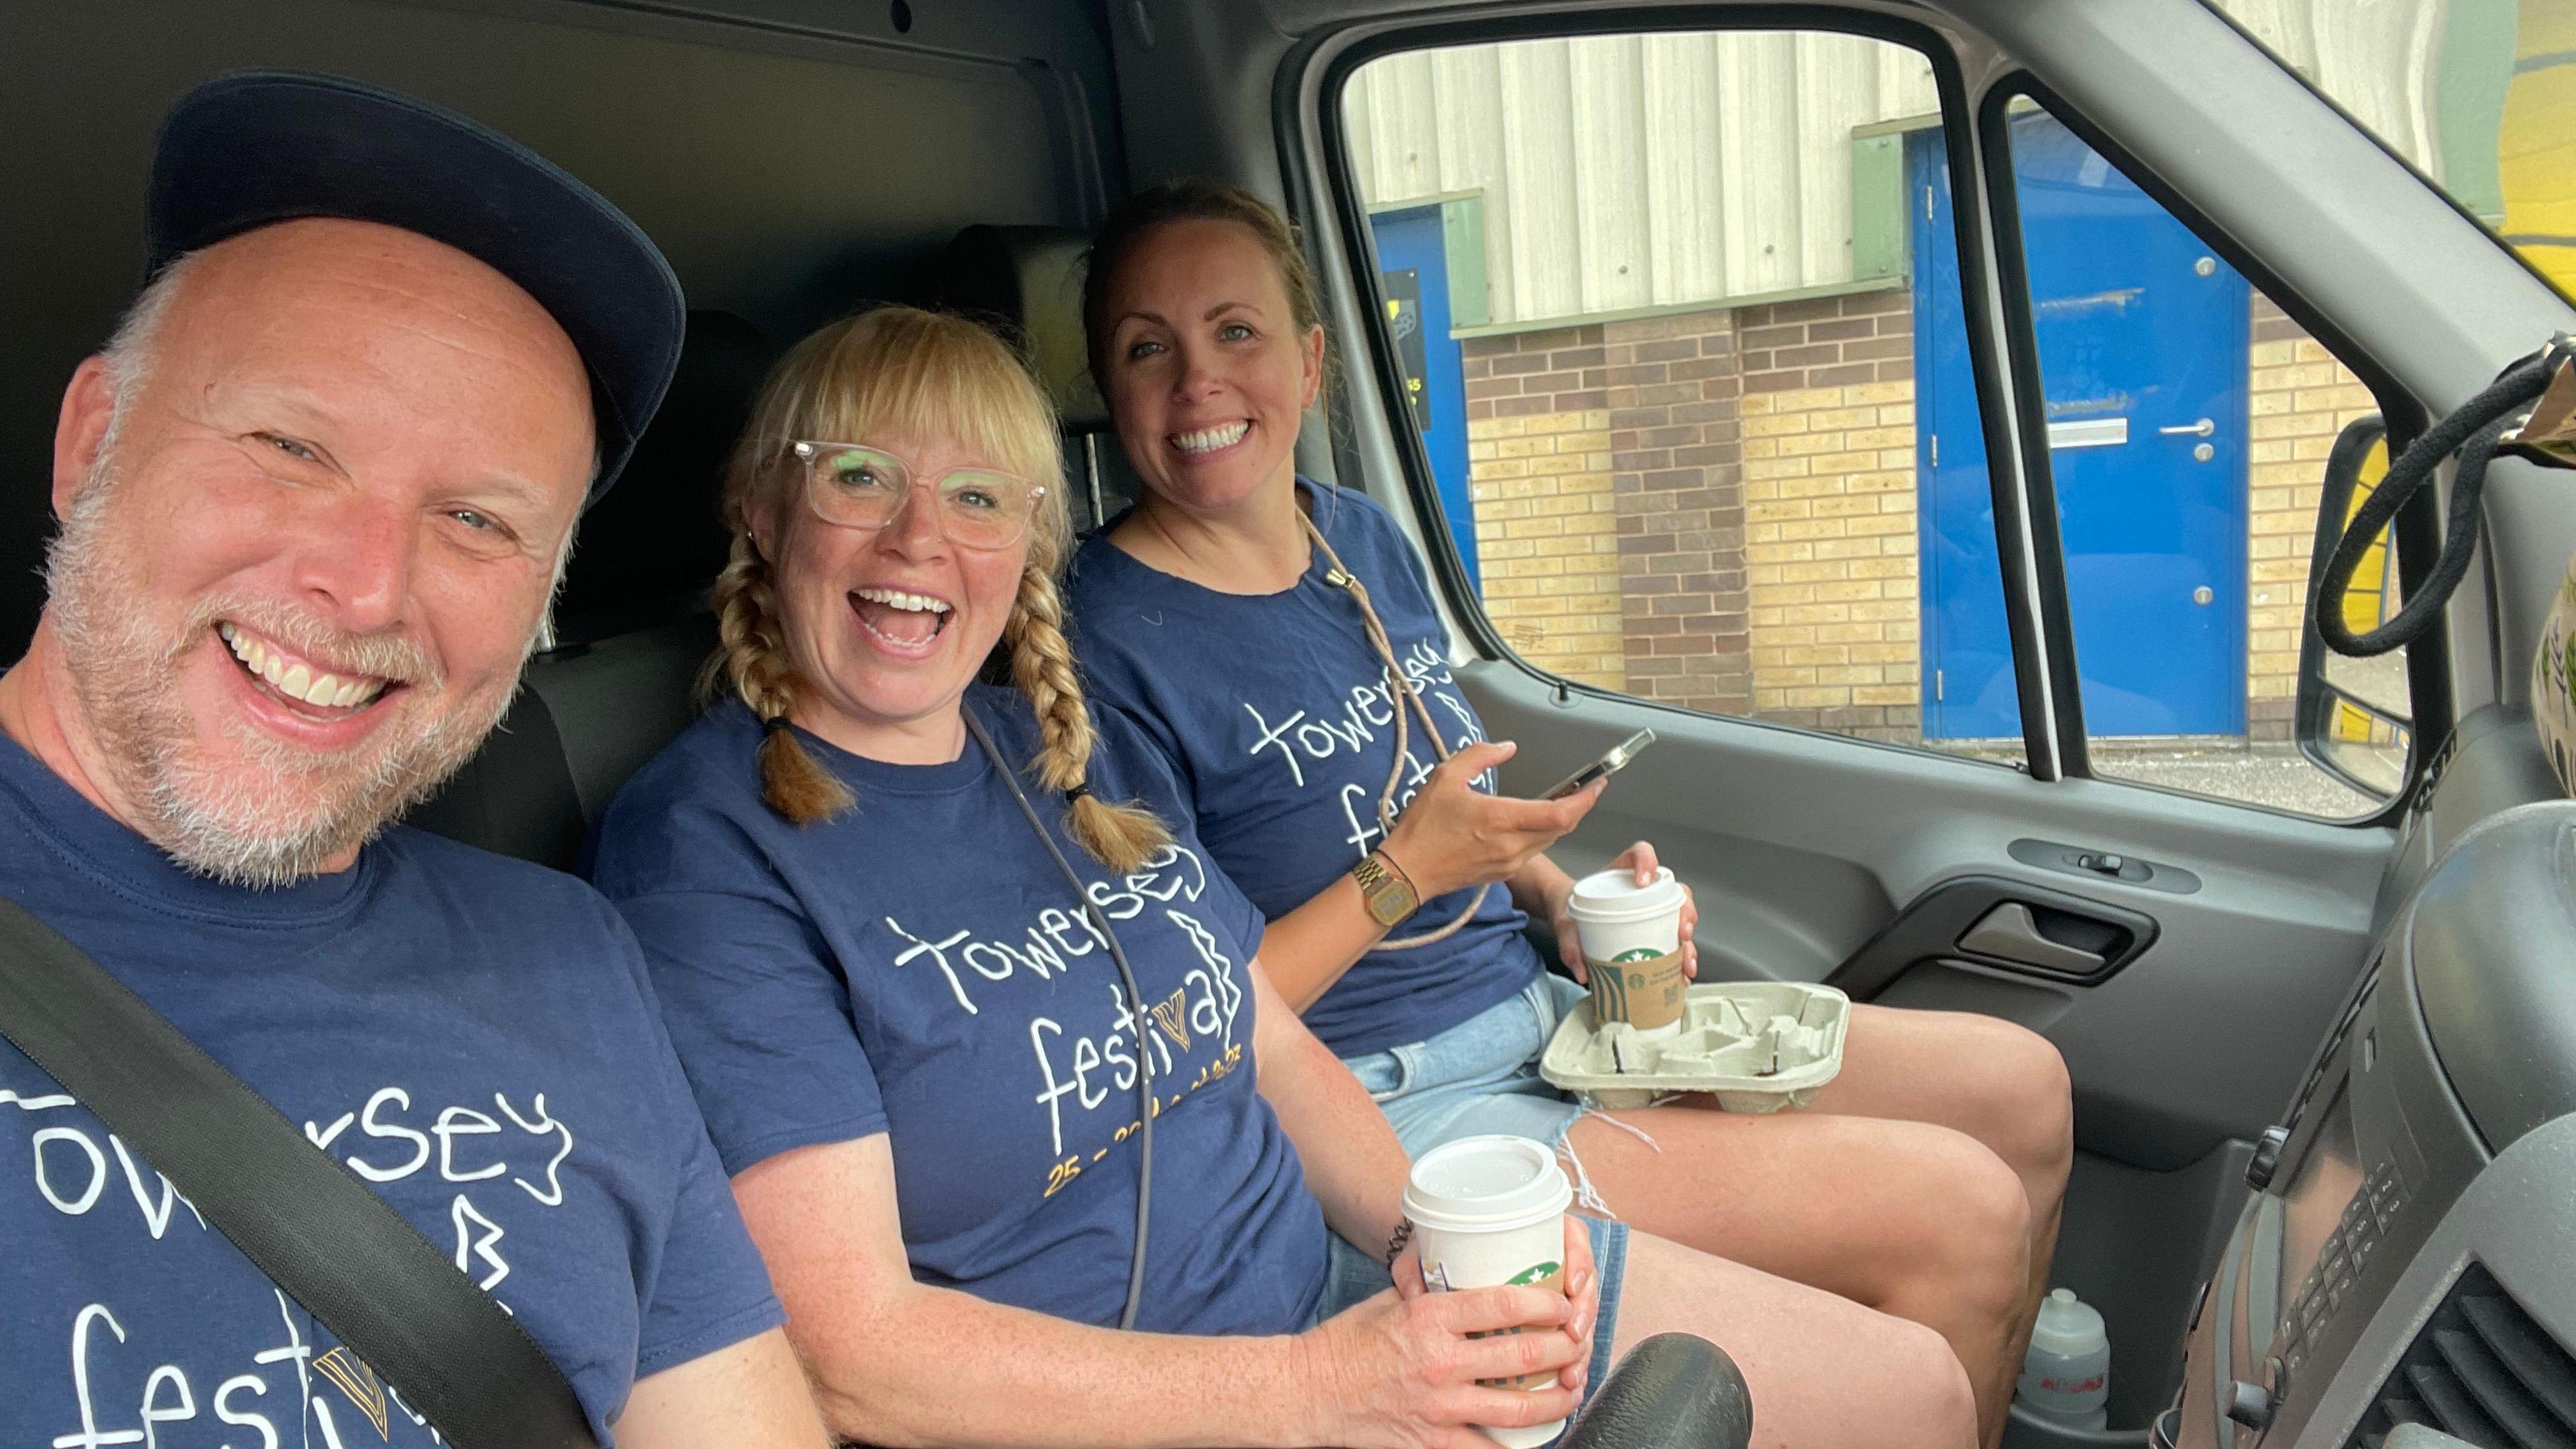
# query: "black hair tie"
(776, 724)
(1076, 793)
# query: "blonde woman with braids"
(917, 1055)
(1280, 641)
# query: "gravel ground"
(2260, 774)
(2273, 774)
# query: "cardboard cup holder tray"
(1759, 1046)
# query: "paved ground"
(2261, 774)
(2273, 774)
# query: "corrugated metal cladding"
(1626, 172)
(2378, 59)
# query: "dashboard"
(2407, 1254)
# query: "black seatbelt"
(308, 1223)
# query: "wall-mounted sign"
(1403, 293)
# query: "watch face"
(1391, 901)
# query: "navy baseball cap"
(254, 147)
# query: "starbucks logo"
(1537, 1274)
(1640, 954)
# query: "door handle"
(2008, 933)
(2201, 429)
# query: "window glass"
(2480, 95)
(2189, 421)
(2360, 732)
(1667, 313)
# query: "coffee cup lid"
(1492, 1182)
(1614, 895)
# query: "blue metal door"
(1413, 277)
(2142, 336)
(1968, 687)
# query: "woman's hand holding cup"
(1639, 861)
(1582, 1289)
(1401, 1370)
(1453, 835)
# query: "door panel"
(1802, 847)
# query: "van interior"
(2324, 1055)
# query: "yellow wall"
(2298, 398)
(2536, 148)
(1546, 540)
(1830, 546)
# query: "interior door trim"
(1941, 924)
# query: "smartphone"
(1600, 769)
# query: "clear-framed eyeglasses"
(857, 486)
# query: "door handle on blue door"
(2201, 429)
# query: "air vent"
(2482, 1371)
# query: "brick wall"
(2297, 398)
(1539, 470)
(1830, 529)
(1756, 555)
(1717, 509)
(1676, 459)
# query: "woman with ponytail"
(1279, 640)
(929, 1062)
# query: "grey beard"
(243, 824)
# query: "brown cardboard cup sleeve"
(1646, 994)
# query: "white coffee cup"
(1486, 1212)
(1624, 927)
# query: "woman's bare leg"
(1825, 1372)
(1916, 1221)
(1926, 1181)
(2002, 1084)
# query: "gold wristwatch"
(1389, 895)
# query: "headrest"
(2553, 682)
(1031, 278)
(648, 550)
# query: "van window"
(2189, 419)
(1664, 312)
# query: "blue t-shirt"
(1278, 717)
(472, 1035)
(919, 967)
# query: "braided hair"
(905, 370)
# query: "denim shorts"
(1353, 1277)
(1479, 1076)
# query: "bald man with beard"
(314, 497)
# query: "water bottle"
(2067, 1374)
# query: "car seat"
(631, 627)
(1027, 280)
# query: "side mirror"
(2353, 716)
